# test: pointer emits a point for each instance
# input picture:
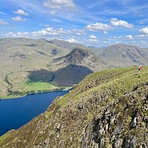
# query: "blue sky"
(92, 23)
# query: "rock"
(117, 143)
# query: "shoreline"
(38, 92)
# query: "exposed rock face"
(106, 110)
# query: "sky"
(96, 23)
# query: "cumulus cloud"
(64, 5)
(46, 32)
(50, 31)
(144, 31)
(105, 32)
(92, 37)
(117, 37)
(2, 22)
(18, 19)
(16, 35)
(99, 26)
(72, 40)
(21, 12)
(93, 40)
(120, 23)
(130, 37)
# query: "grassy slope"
(78, 114)
(122, 54)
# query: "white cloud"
(2, 22)
(18, 19)
(144, 31)
(46, 32)
(99, 26)
(64, 5)
(105, 32)
(92, 37)
(16, 35)
(130, 37)
(21, 12)
(120, 23)
(50, 31)
(117, 37)
(72, 40)
(93, 40)
(140, 36)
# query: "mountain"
(74, 66)
(66, 44)
(81, 56)
(22, 57)
(124, 55)
(107, 109)
(96, 51)
(27, 64)
(30, 66)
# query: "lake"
(14, 113)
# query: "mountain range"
(56, 64)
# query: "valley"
(31, 66)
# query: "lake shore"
(36, 92)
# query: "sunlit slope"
(106, 109)
(124, 55)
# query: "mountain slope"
(73, 67)
(106, 109)
(124, 55)
(22, 57)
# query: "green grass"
(113, 82)
(36, 86)
(30, 87)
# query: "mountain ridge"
(122, 54)
(106, 109)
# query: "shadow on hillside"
(41, 75)
(31, 45)
(71, 74)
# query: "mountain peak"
(77, 55)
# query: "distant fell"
(124, 55)
(66, 44)
(81, 56)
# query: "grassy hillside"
(107, 109)
(23, 59)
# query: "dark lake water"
(16, 112)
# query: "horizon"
(87, 46)
(94, 23)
